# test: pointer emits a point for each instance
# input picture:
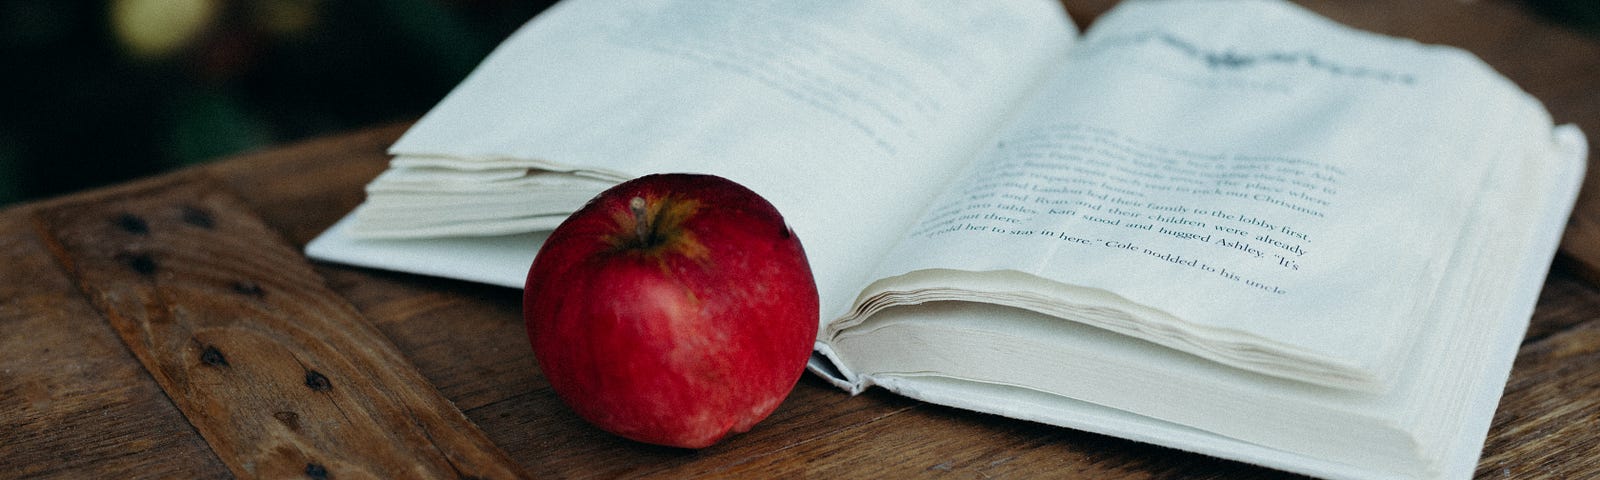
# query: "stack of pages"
(1229, 227)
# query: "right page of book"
(1267, 188)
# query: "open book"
(1234, 228)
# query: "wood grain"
(72, 399)
(1545, 425)
(280, 375)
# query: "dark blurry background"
(96, 92)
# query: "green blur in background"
(98, 92)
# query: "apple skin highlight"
(672, 309)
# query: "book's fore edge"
(825, 363)
(421, 158)
(1570, 147)
(1067, 301)
(435, 257)
(1571, 139)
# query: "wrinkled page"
(848, 116)
(1271, 187)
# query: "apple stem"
(641, 222)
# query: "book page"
(848, 116)
(1271, 186)
(1441, 405)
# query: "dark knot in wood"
(131, 223)
(213, 357)
(317, 381)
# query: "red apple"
(672, 309)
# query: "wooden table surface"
(170, 327)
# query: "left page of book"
(848, 116)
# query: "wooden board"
(73, 402)
(280, 375)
